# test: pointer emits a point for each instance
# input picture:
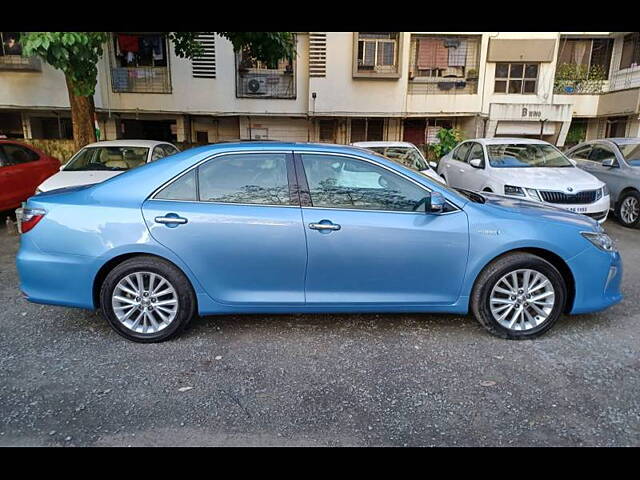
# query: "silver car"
(615, 161)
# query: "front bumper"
(597, 277)
(597, 210)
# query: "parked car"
(98, 161)
(292, 228)
(22, 169)
(404, 152)
(528, 169)
(615, 161)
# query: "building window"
(519, 78)
(327, 131)
(256, 79)
(630, 51)
(444, 64)
(11, 54)
(367, 129)
(140, 63)
(376, 54)
(583, 65)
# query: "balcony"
(572, 79)
(140, 80)
(20, 63)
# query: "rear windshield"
(631, 153)
(407, 156)
(108, 158)
(526, 155)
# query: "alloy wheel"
(522, 299)
(629, 210)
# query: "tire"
(534, 325)
(628, 209)
(171, 311)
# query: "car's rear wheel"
(518, 296)
(147, 299)
(628, 209)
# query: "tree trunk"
(82, 115)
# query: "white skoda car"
(528, 169)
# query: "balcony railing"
(440, 85)
(580, 80)
(140, 80)
(265, 83)
(20, 63)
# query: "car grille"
(587, 196)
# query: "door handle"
(461, 170)
(324, 226)
(171, 219)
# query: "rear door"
(368, 244)
(235, 220)
(20, 172)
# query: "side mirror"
(609, 162)
(435, 203)
(476, 163)
(433, 164)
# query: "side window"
(342, 182)
(184, 188)
(16, 154)
(600, 153)
(169, 150)
(257, 178)
(582, 153)
(476, 152)
(461, 152)
(158, 153)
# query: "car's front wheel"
(628, 209)
(518, 296)
(147, 299)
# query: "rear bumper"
(597, 276)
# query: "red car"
(22, 169)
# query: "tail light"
(29, 218)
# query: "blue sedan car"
(294, 228)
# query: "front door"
(455, 166)
(368, 244)
(233, 221)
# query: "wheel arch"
(551, 257)
(117, 260)
(623, 192)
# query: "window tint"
(582, 153)
(461, 152)
(342, 182)
(169, 150)
(600, 153)
(184, 188)
(158, 153)
(259, 178)
(476, 152)
(16, 154)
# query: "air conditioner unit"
(254, 85)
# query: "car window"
(107, 158)
(476, 152)
(526, 155)
(582, 153)
(461, 152)
(259, 178)
(184, 188)
(17, 154)
(343, 182)
(408, 156)
(169, 150)
(600, 153)
(158, 153)
(631, 153)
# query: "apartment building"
(342, 87)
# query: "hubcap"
(145, 302)
(629, 210)
(522, 299)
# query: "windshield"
(631, 153)
(408, 156)
(107, 158)
(525, 155)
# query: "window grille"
(377, 52)
(583, 65)
(11, 54)
(444, 64)
(255, 79)
(204, 66)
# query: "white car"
(528, 169)
(405, 153)
(99, 161)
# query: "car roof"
(382, 144)
(502, 140)
(623, 140)
(127, 143)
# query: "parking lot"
(415, 379)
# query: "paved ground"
(67, 379)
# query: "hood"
(539, 211)
(65, 179)
(548, 178)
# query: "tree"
(77, 54)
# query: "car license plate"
(577, 209)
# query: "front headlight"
(600, 240)
(513, 190)
(533, 193)
(605, 191)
